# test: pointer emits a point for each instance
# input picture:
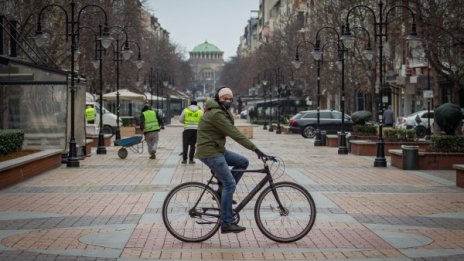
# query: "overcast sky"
(192, 22)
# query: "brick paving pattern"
(109, 209)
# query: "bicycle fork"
(282, 210)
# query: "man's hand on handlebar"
(263, 156)
(260, 154)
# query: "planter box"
(127, 132)
(429, 160)
(369, 148)
(332, 140)
(94, 140)
(284, 128)
(459, 174)
(246, 130)
(16, 170)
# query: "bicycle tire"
(291, 226)
(180, 222)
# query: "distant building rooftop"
(206, 48)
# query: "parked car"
(418, 121)
(329, 120)
(243, 114)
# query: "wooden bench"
(459, 174)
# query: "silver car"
(419, 121)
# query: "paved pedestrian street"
(110, 208)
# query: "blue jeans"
(220, 167)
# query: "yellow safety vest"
(90, 114)
(151, 122)
(192, 118)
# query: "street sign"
(385, 99)
(428, 94)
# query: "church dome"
(206, 48)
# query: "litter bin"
(323, 138)
(410, 157)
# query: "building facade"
(207, 62)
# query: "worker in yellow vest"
(90, 114)
(150, 123)
(190, 117)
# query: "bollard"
(324, 138)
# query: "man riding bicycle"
(216, 124)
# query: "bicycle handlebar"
(266, 158)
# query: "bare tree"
(442, 30)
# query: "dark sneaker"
(153, 156)
(184, 162)
(191, 162)
(231, 228)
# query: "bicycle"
(284, 211)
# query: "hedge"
(447, 143)
(10, 141)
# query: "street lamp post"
(297, 64)
(161, 81)
(429, 98)
(72, 30)
(317, 53)
(168, 84)
(120, 53)
(265, 81)
(271, 128)
(158, 77)
(98, 64)
(279, 94)
(118, 59)
(380, 33)
(150, 81)
(342, 149)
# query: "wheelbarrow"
(134, 143)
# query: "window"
(325, 115)
(310, 115)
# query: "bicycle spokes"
(289, 218)
(191, 212)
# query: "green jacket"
(215, 125)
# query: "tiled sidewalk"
(109, 209)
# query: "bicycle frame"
(267, 179)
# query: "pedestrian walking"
(388, 117)
(90, 114)
(150, 123)
(216, 124)
(190, 117)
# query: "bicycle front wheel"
(293, 221)
(191, 212)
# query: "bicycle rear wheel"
(292, 222)
(185, 222)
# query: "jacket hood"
(212, 104)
